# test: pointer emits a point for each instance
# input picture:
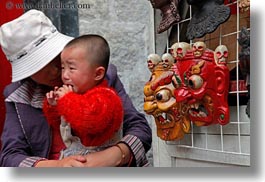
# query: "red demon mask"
(194, 89)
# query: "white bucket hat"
(30, 42)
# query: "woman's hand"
(109, 157)
(72, 161)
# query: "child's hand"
(60, 92)
(51, 97)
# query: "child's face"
(76, 70)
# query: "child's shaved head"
(97, 48)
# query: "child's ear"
(100, 73)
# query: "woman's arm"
(136, 130)
(110, 157)
(25, 140)
(71, 161)
(15, 146)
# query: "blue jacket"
(26, 132)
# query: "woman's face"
(50, 75)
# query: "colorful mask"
(170, 117)
(204, 87)
(194, 89)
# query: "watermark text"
(11, 5)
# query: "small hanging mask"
(207, 16)
(179, 49)
(169, 13)
(221, 55)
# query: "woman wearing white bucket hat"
(32, 45)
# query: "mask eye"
(163, 95)
(179, 50)
(200, 48)
(195, 82)
(225, 54)
(219, 55)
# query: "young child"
(85, 114)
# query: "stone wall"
(127, 26)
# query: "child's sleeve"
(51, 113)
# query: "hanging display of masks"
(191, 86)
